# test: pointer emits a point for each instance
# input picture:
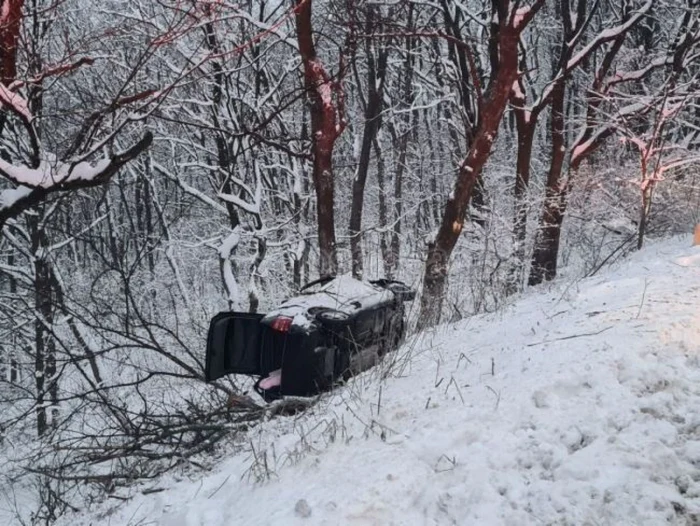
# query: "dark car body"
(336, 327)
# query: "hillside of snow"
(577, 404)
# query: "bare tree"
(508, 22)
(327, 107)
(373, 104)
(597, 126)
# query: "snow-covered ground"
(578, 404)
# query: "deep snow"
(577, 404)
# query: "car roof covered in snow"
(343, 293)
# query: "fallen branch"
(571, 337)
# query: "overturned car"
(335, 328)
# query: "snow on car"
(336, 327)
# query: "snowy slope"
(579, 404)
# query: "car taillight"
(282, 324)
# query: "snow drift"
(578, 404)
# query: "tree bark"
(327, 124)
(383, 215)
(44, 344)
(491, 112)
(10, 22)
(647, 192)
(544, 258)
(526, 123)
(375, 92)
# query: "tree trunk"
(522, 183)
(383, 215)
(44, 344)
(358, 185)
(14, 365)
(544, 258)
(400, 141)
(10, 22)
(327, 124)
(644, 216)
(373, 109)
(526, 123)
(395, 245)
(647, 192)
(492, 109)
(325, 199)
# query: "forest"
(164, 161)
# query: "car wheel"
(331, 318)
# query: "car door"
(234, 345)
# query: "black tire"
(331, 318)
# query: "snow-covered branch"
(36, 184)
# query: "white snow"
(578, 404)
(343, 293)
(519, 16)
(9, 197)
(52, 172)
(15, 102)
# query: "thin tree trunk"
(398, 205)
(383, 213)
(525, 124)
(376, 71)
(14, 366)
(44, 345)
(644, 216)
(544, 258)
(358, 185)
(526, 136)
(10, 22)
(647, 189)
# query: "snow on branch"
(51, 172)
(607, 35)
(251, 208)
(14, 102)
(8, 198)
(35, 184)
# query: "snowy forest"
(164, 161)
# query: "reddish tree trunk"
(327, 123)
(544, 258)
(492, 107)
(546, 253)
(526, 122)
(10, 22)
